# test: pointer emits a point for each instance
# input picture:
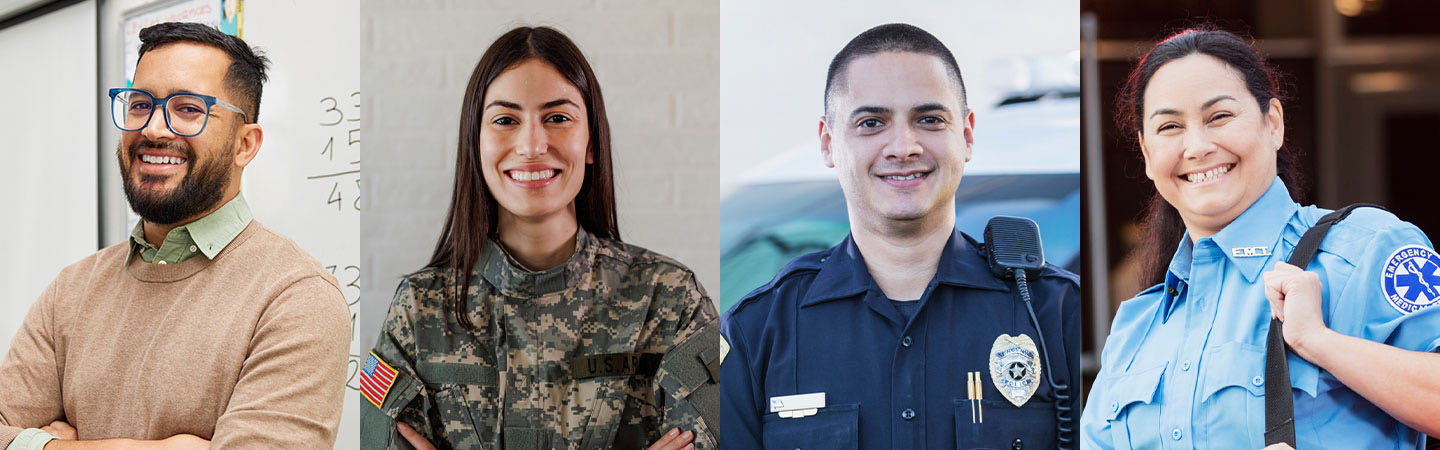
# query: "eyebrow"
(929, 107)
(880, 110)
(547, 105)
(554, 103)
(1205, 105)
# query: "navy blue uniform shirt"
(823, 325)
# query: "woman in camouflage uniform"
(558, 335)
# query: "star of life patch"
(376, 377)
(1410, 279)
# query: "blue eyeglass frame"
(161, 103)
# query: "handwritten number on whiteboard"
(356, 97)
(335, 196)
(334, 106)
(354, 368)
(329, 148)
(357, 194)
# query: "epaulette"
(808, 264)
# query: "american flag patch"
(375, 380)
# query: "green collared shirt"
(207, 235)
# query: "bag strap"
(1279, 401)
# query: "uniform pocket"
(835, 427)
(1125, 394)
(1031, 426)
(467, 400)
(1233, 393)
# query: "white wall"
(658, 65)
(50, 209)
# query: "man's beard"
(199, 191)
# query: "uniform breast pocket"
(1128, 407)
(466, 399)
(1232, 390)
(835, 427)
(1031, 426)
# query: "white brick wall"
(658, 65)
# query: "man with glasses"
(203, 327)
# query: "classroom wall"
(50, 206)
(658, 66)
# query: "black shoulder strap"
(1279, 402)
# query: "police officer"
(1184, 365)
(557, 335)
(883, 340)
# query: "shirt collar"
(843, 273)
(1257, 231)
(209, 234)
(506, 275)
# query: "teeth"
(905, 177)
(152, 159)
(1208, 175)
(520, 175)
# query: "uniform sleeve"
(689, 373)
(1094, 428)
(1374, 301)
(30, 374)
(406, 399)
(738, 409)
(292, 385)
(1071, 330)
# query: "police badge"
(1015, 367)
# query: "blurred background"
(1363, 114)
(1020, 61)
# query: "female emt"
(557, 335)
(1184, 366)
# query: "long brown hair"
(473, 210)
(1162, 224)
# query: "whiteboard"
(50, 192)
(305, 182)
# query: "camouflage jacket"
(608, 350)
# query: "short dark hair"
(246, 75)
(893, 37)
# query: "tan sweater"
(248, 349)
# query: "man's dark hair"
(246, 74)
(893, 37)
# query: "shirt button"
(161, 262)
(1258, 381)
(1175, 433)
(193, 249)
(1114, 407)
(906, 341)
(1017, 445)
(1185, 366)
(907, 414)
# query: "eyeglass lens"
(186, 114)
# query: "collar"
(207, 235)
(507, 276)
(843, 273)
(1258, 228)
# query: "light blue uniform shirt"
(1184, 366)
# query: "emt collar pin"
(1248, 252)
